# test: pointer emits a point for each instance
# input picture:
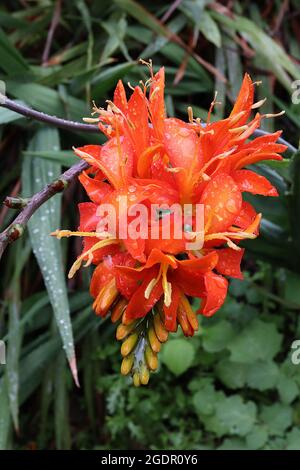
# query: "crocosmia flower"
(152, 164)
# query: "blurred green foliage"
(233, 386)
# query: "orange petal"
(229, 262)
(222, 201)
(246, 216)
(137, 114)
(101, 276)
(157, 256)
(138, 305)
(170, 312)
(253, 183)
(256, 157)
(244, 100)
(199, 265)
(136, 248)
(96, 190)
(88, 216)
(216, 291)
(120, 99)
(115, 159)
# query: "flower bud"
(160, 330)
(191, 315)
(144, 374)
(129, 344)
(123, 331)
(126, 320)
(136, 379)
(184, 323)
(118, 310)
(105, 298)
(151, 358)
(153, 340)
(127, 364)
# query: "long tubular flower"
(145, 283)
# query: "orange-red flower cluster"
(152, 159)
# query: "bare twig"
(77, 126)
(14, 192)
(280, 16)
(16, 228)
(54, 23)
(39, 116)
(171, 10)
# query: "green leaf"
(6, 115)
(13, 352)
(206, 398)
(294, 200)
(257, 438)
(258, 341)
(233, 444)
(232, 416)
(108, 78)
(194, 10)
(48, 101)
(178, 355)
(272, 56)
(65, 158)
(234, 66)
(116, 31)
(232, 374)
(291, 287)
(209, 28)
(293, 439)
(277, 418)
(287, 388)
(11, 60)
(140, 13)
(262, 375)
(62, 431)
(218, 336)
(37, 173)
(5, 422)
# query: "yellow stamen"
(217, 157)
(167, 286)
(270, 115)
(148, 64)
(236, 117)
(87, 157)
(190, 114)
(67, 233)
(258, 104)
(150, 287)
(130, 86)
(252, 227)
(236, 130)
(175, 169)
(235, 235)
(154, 92)
(91, 120)
(204, 132)
(97, 246)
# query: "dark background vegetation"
(233, 386)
